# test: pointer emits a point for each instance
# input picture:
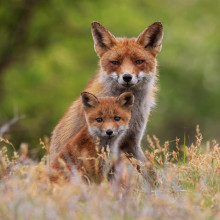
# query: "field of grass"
(188, 187)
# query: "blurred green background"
(47, 58)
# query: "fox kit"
(107, 119)
(126, 65)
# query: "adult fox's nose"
(127, 77)
(109, 132)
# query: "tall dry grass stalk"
(185, 190)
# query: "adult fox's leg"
(131, 147)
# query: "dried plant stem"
(5, 127)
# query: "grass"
(188, 187)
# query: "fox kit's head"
(107, 117)
(128, 62)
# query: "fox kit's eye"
(117, 118)
(99, 120)
(137, 62)
(116, 63)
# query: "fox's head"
(127, 61)
(107, 117)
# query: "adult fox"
(126, 65)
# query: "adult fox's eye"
(116, 63)
(117, 118)
(99, 120)
(139, 62)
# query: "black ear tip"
(84, 93)
(157, 24)
(95, 24)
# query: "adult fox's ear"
(151, 38)
(103, 39)
(89, 100)
(126, 100)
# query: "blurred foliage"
(47, 58)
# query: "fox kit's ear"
(89, 100)
(151, 38)
(103, 39)
(126, 100)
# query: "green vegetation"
(47, 58)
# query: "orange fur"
(83, 151)
(119, 57)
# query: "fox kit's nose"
(127, 77)
(109, 132)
